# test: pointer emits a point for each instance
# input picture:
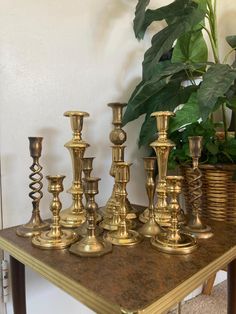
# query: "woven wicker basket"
(218, 191)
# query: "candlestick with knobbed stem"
(118, 138)
(56, 237)
(195, 225)
(35, 224)
(123, 235)
(174, 240)
(91, 245)
(151, 227)
(74, 216)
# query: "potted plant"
(177, 75)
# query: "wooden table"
(135, 279)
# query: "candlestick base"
(91, 247)
(132, 237)
(185, 243)
(202, 232)
(71, 219)
(32, 228)
(45, 240)
(150, 228)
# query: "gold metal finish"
(195, 225)
(123, 236)
(117, 137)
(74, 216)
(151, 227)
(55, 238)
(91, 245)
(35, 224)
(162, 147)
(174, 241)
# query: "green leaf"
(231, 40)
(140, 99)
(216, 82)
(140, 17)
(163, 40)
(189, 113)
(143, 19)
(191, 47)
(212, 147)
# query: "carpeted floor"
(216, 303)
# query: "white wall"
(57, 56)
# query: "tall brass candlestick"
(162, 147)
(74, 216)
(123, 236)
(151, 227)
(35, 224)
(90, 245)
(195, 225)
(117, 137)
(174, 241)
(55, 238)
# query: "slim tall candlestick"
(35, 224)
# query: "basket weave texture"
(218, 191)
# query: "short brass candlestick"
(162, 147)
(91, 245)
(118, 137)
(35, 224)
(151, 227)
(195, 225)
(123, 236)
(55, 238)
(74, 216)
(174, 241)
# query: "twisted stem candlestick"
(56, 237)
(35, 224)
(151, 227)
(195, 225)
(91, 245)
(74, 216)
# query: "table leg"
(18, 286)
(231, 306)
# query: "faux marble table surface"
(135, 279)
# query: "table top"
(136, 279)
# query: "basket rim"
(214, 167)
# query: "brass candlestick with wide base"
(174, 241)
(123, 236)
(35, 224)
(195, 225)
(56, 237)
(118, 138)
(74, 216)
(91, 246)
(151, 227)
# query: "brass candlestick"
(174, 241)
(87, 166)
(35, 224)
(151, 227)
(123, 236)
(74, 216)
(55, 238)
(162, 147)
(117, 137)
(91, 245)
(195, 225)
